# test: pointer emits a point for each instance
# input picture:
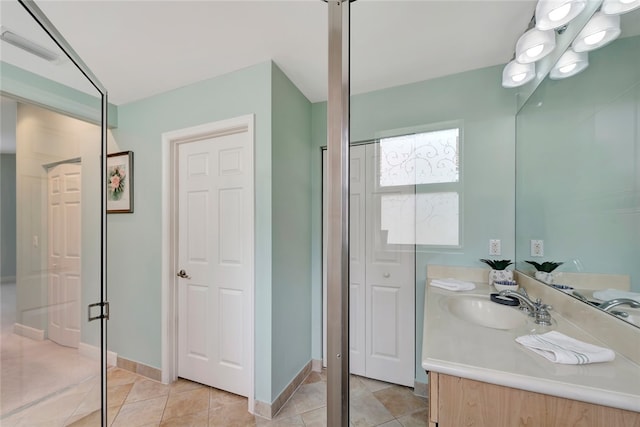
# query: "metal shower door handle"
(183, 274)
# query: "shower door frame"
(41, 19)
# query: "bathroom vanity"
(457, 401)
(479, 375)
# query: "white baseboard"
(94, 353)
(28, 332)
(316, 365)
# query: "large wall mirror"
(578, 176)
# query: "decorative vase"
(545, 277)
(500, 275)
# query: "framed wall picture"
(120, 182)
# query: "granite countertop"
(456, 347)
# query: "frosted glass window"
(421, 219)
(421, 158)
(422, 176)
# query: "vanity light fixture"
(569, 64)
(535, 45)
(516, 74)
(552, 14)
(616, 7)
(600, 30)
(27, 45)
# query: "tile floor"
(137, 401)
(43, 384)
(32, 370)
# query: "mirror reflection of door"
(64, 253)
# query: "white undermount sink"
(480, 310)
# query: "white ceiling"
(141, 48)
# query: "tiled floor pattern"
(135, 401)
(31, 370)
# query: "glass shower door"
(51, 229)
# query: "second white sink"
(480, 310)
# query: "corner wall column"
(338, 220)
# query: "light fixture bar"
(28, 46)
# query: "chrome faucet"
(622, 314)
(535, 308)
(608, 305)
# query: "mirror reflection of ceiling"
(141, 48)
(15, 19)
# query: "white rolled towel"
(453, 284)
(560, 348)
(609, 294)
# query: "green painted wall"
(488, 115)
(282, 115)
(587, 128)
(35, 89)
(291, 222)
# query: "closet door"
(357, 256)
(381, 273)
(390, 277)
(357, 260)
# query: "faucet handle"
(542, 315)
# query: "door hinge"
(104, 314)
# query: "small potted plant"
(544, 271)
(499, 269)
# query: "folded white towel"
(560, 348)
(609, 294)
(453, 284)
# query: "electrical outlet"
(537, 248)
(494, 247)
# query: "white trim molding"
(28, 332)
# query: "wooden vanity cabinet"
(457, 402)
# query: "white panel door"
(390, 283)
(64, 249)
(215, 246)
(381, 277)
(357, 261)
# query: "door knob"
(183, 274)
(386, 275)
